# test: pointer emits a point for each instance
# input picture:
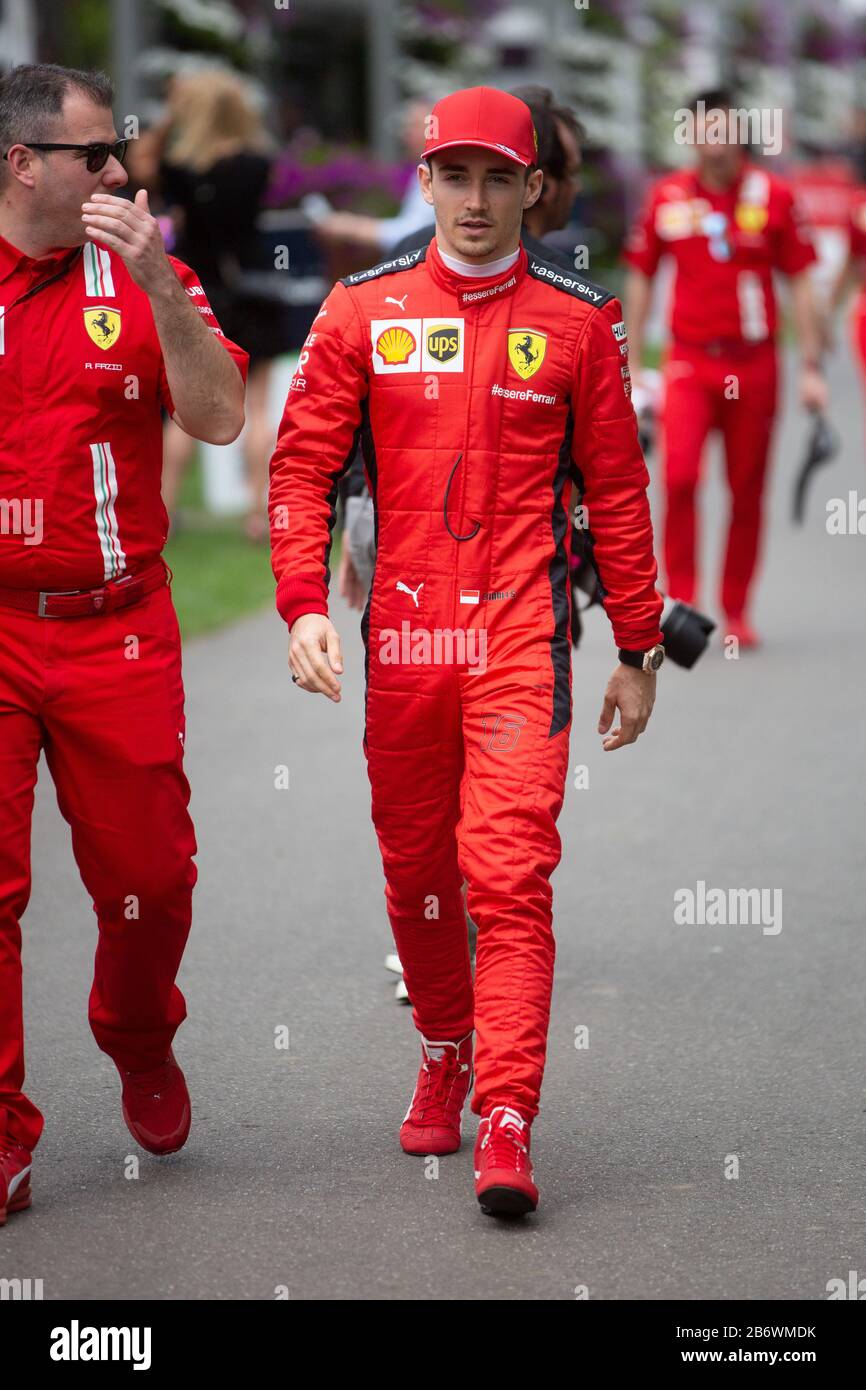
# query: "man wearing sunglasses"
(98, 330)
(96, 154)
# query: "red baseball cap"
(487, 117)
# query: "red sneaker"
(503, 1168)
(743, 631)
(434, 1119)
(15, 1164)
(156, 1106)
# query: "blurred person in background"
(145, 154)
(728, 223)
(852, 275)
(560, 137)
(378, 235)
(214, 171)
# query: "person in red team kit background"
(98, 328)
(853, 273)
(484, 382)
(728, 223)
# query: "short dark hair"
(546, 117)
(32, 95)
(714, 99)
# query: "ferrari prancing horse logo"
(103, 326)
(526, 350)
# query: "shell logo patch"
(103, 326)
(750, 218)
(526, 349)
(395, 345)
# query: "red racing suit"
(721, 370)
(479, 404)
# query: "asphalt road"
(705, 1041)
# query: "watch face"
(655, 657)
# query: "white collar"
(490, 268)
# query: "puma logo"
(404, 589)
(401, 303)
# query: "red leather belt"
(726, 347)
(81, 603)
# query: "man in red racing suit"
(481, 396)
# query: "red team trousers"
(102, 696)
(858, 332)
(734, 392)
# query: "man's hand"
(813, 389)
(633, 693)
(350, 586)
(315, 654)
(206, 385)
(131, 231)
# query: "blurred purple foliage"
(347, 175)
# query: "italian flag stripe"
(105, 272)
(105, 491)
(98, 280)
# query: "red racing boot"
(740, 628)
(434, 1119)
(156, 1106)
(503, 1168)
(15, 1163)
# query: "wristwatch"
(643, 661)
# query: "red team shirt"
(81, 382)
(857, 225)
(857, 248)
(726, 247)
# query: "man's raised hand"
(130, 230)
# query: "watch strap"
(629, 658)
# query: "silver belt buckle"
(52, 593)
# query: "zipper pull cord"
(476, 525)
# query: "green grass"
(219, 576)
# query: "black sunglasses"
(97, 153)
